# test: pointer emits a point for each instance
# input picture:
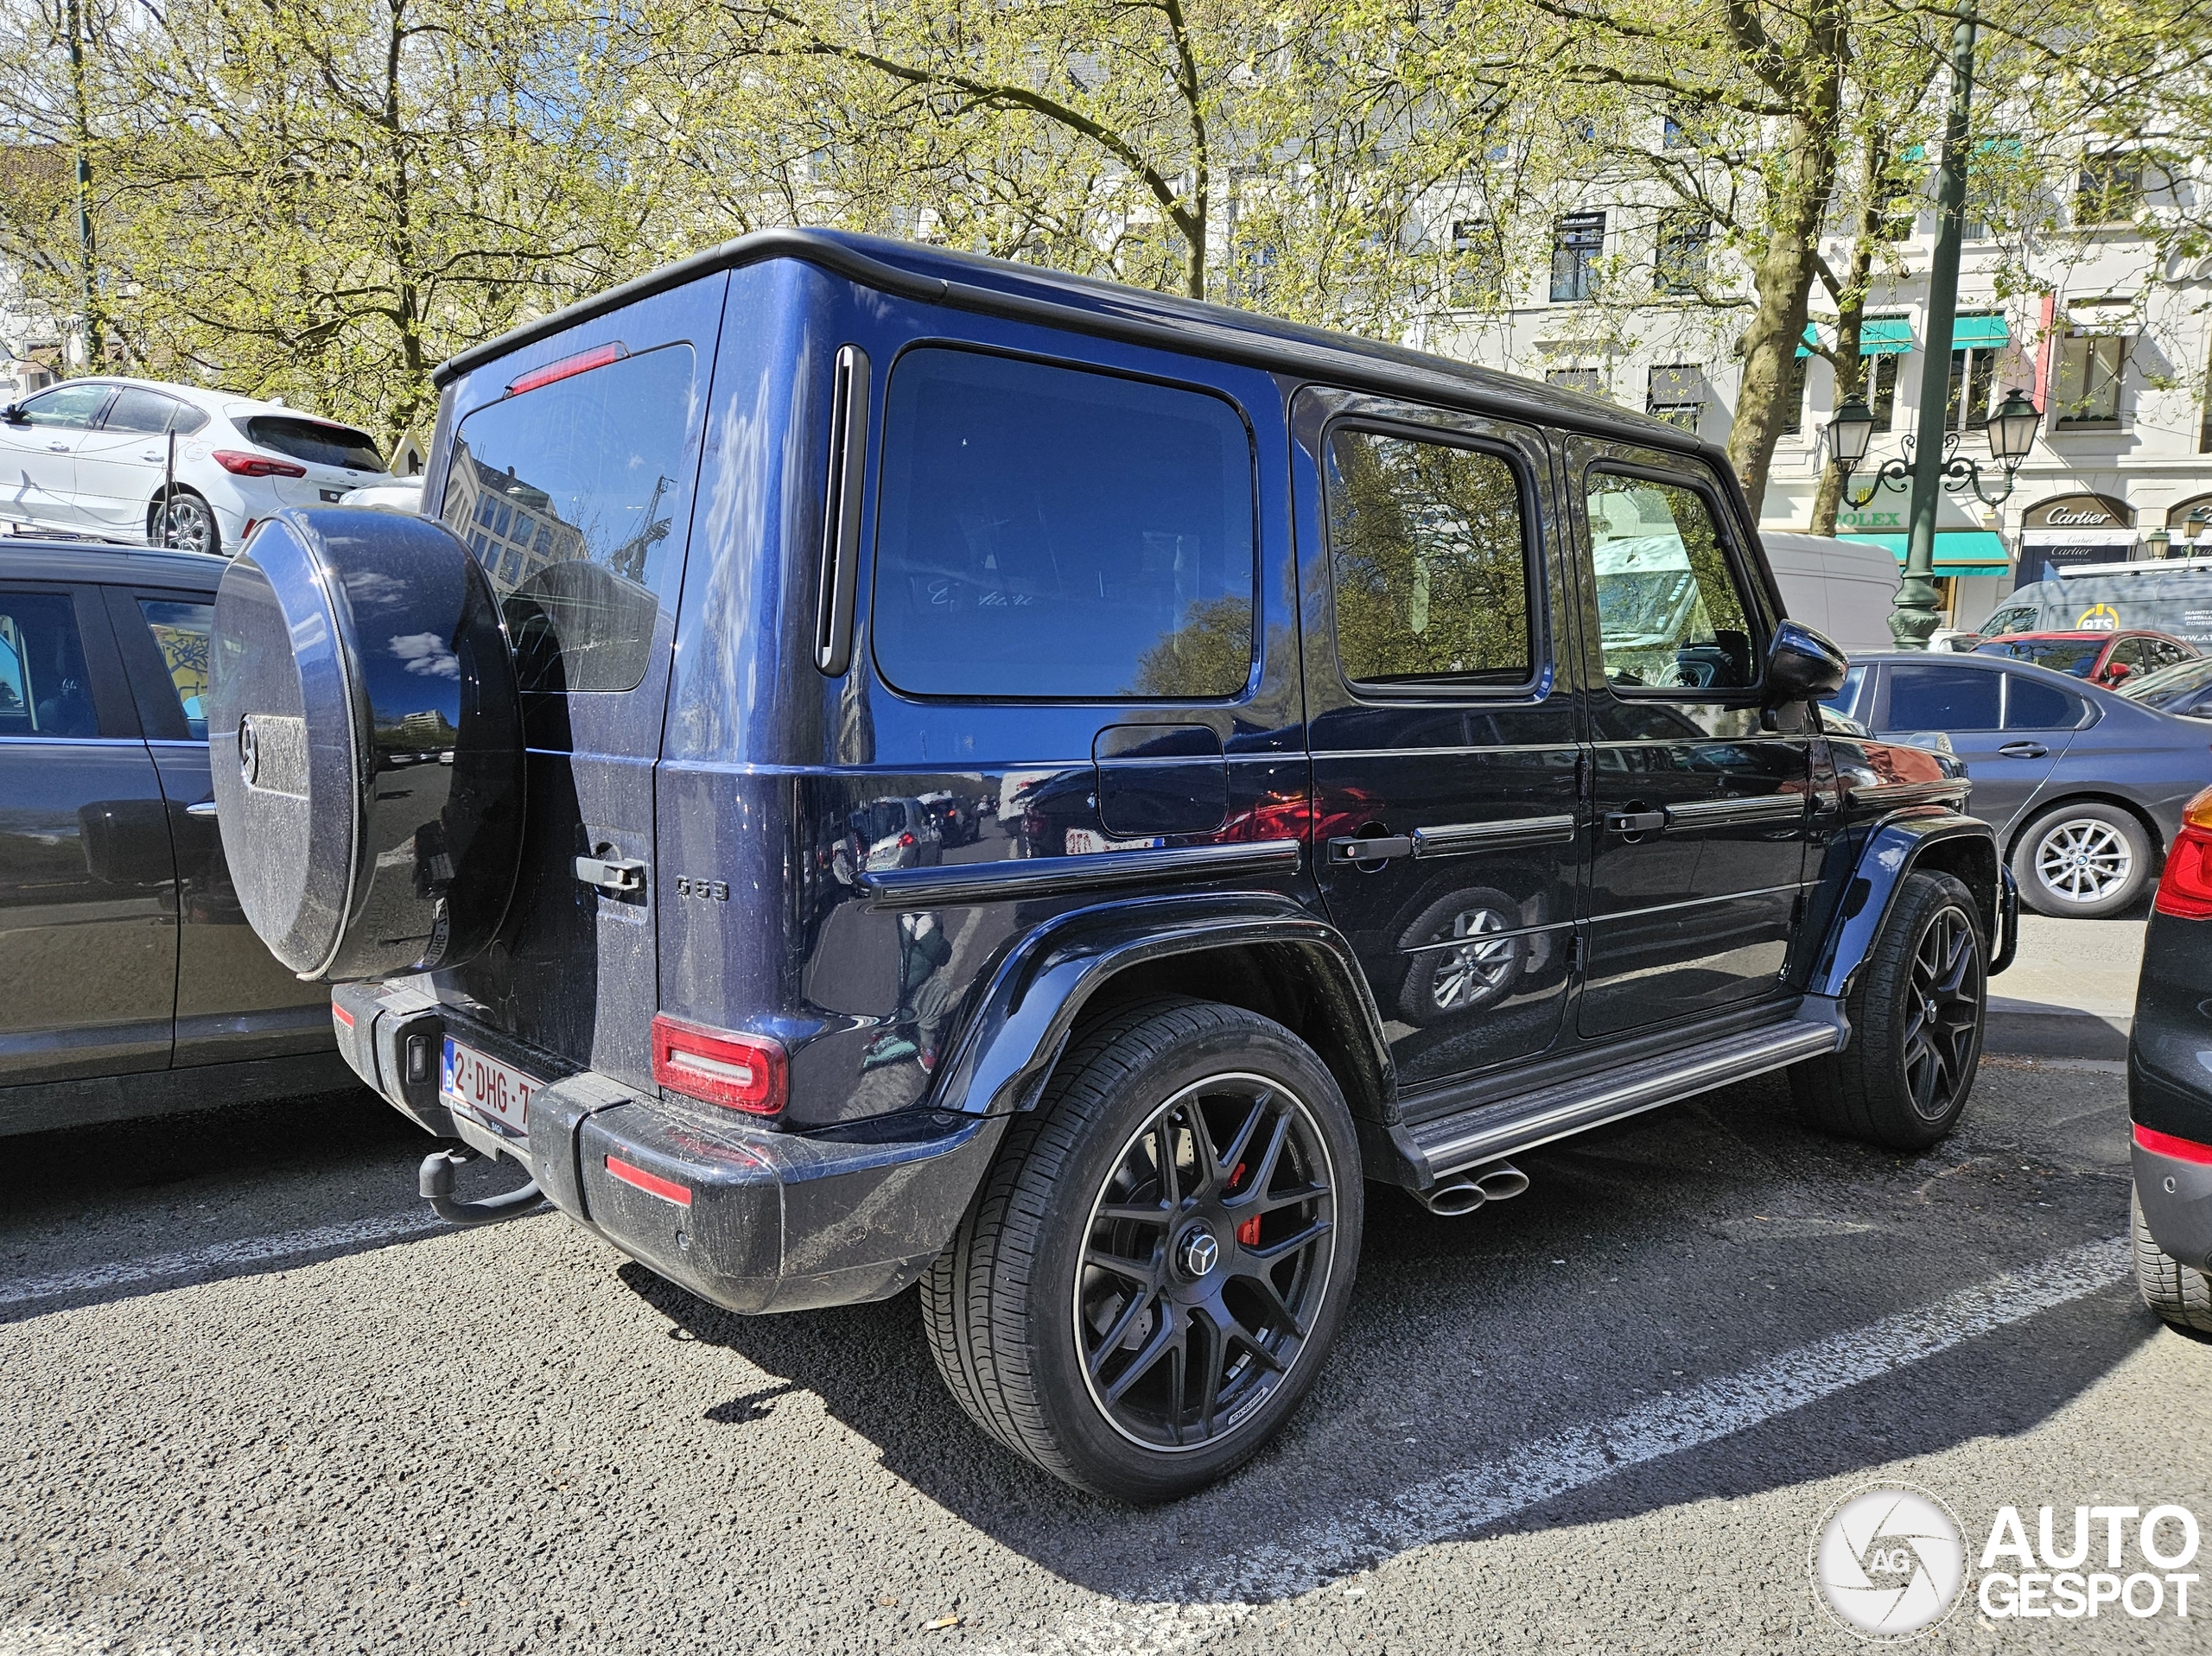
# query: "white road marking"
(186, 1264)
(1175, 1614)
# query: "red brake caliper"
(1248, 1234)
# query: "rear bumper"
(751, 1219)
(2176, 1198)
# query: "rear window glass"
(569, 496)
(1944, 698)
(1430, 563)
(2030, 705)
(315, 441)
(1054, 532)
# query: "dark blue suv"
(1378, 768)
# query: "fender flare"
(1894, 848)
(1019, 1023)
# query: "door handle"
(155, 455)
(59, 448)
(1635, 822)
(204, 808)
(1378, 849)
(2024, 749)
(617, 874)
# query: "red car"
(2107, 658)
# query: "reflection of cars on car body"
(91, 457)
(2103, 657)
(1338, 845)
(404, 494)
(130, 982)
(956, 819)
(2083, 786)
(2169, 1090)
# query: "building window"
(1900, 213)
(1677, 395)
(2088, 388)
(1476, 278)
(1584, 380)
(1793, 397)
(1882, 390)
(1680, 264)
(1974, 378)
(1576, 241)
(2110, 190)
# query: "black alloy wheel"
(1206, 1254)
(1942, 1035)
(1916, 1010)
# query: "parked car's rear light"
(905, 840)
(2164, 1144)
(2185, 887)
(255, 465)
(650, 1184)
(740, 1072)
(583, 362)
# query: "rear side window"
(1429, 560)
(568, 495)
(315, 441)
(1944, 698)
(1056, 532)
(2033, 705)
(137, 410)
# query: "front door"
(87, 888)
(38, 454)
(1699, 792)
(1447, 830)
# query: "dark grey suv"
(1398, 767)
(130, 982)
(2084, 786)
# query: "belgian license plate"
(1082, 841)
(496, 1093)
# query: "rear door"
(1448, 834)
(569, 469)
(234, 1000)
(120, 461)
(87, 887)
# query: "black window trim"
(1443, 690)
(1732, 553)
(872, 531)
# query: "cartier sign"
(2078, 511)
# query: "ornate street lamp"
(2010, 431)
(2158, 541)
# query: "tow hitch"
(436, 1185)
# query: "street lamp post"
(2011, 429)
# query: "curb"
(2024, 1030)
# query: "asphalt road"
(256, 1402)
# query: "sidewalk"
(2071, 993)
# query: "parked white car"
(88, 456)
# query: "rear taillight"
(740, 1072)
(255, 465)
(905, 840)
(2185, 887)
(2164, 1144)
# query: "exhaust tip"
(1500, 1181)
(1454, 1198)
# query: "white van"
(1846, 588)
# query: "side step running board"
(1506, 1126)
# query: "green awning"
(1811, 339)
(1958, 551)
(1885, 336)
(1979, 332)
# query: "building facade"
(2112, 339)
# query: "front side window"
(1429, 562)
(1670, 613)
(1054, 532)
(181, 633)
(600, 459)
(65, 407)
(1944, 698)
(45, 688)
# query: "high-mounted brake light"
(740, 1072)
(2164, 1144)
(582, 362)
(2185, 887)
(255, 465)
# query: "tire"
(2176, 1293)
(1443, 983)
(186, 522)
(1903, 1080)
(1083, 1369)
(2082, 861)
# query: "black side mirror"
(13, 414)
(1801, 665)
